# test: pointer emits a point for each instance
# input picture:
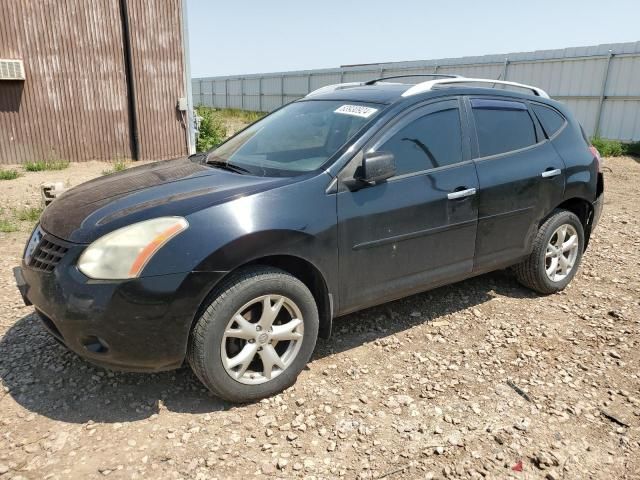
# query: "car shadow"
(45, 378)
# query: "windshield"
(298, 138)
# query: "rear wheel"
(556, 255)
(255, 336)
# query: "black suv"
(239, 258)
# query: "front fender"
(297, 219)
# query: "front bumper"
(141, 324)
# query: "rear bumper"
(135, 325)
(597, 210)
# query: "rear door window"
(550, 119)
(502, 126)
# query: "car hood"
(174, 187)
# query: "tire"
(532, 272)
(212, 352)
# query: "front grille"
(47, 254)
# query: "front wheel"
(255, 336)
(556, 255)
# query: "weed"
(9, 174)
(212, 129)
(608, 148)
(118, 166)
(7, 226)
(632, 149)
(30, 214)
(43, 165)
(615, 148)
(244, 116)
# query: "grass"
(30, 214)
(9, 174)
(43, 165)
(6, 226)
(10, 220)
(242, 115)
(615, 148)
(118, 166)
(213, 128)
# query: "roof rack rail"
(428, 85)
(440, 75)
(341, 86)
(333, 88)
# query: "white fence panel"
(599, 83)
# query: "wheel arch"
(299, 267)
(581, 208)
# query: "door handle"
(461, 193)
(551, 173)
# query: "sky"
(258, 36)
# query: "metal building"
(83, 80)
(601, 84)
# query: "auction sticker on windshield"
(356, 110)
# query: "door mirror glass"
(376, 167)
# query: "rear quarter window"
(502, 126)
(550, 119)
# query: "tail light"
(596, 154)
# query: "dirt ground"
(478, 379)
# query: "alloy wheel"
(562, 252)
(262, 339)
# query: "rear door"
(521, 179)
(417, 228)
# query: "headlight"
(124, 253)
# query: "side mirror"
(376, 167)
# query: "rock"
(440, 323)
(268, 468)
(522, 425)
(455, 439)
(3, 468)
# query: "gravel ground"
(479, 379)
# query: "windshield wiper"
(227, 166)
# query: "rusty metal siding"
(156, 39)
(73, 103)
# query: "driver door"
(418, 228)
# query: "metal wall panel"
(73, 104)
(156, 41)
(575, 76)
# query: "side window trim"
(539, 132)
(414, 114)
(405, 117)
(544, 131)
